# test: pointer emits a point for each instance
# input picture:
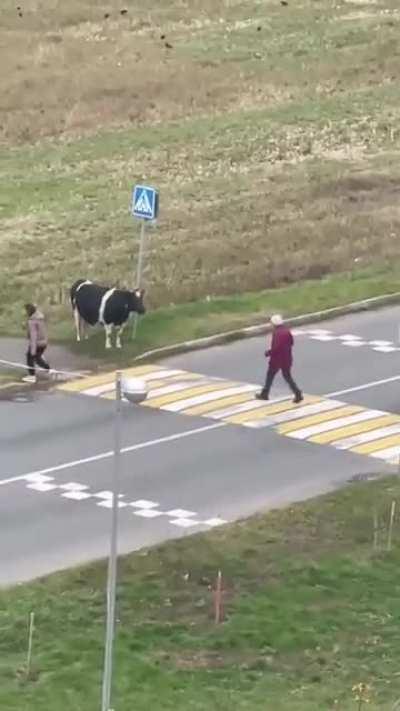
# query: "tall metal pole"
(112, 562)
(139, 268)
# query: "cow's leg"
(77, 320)
(119, 334)
(108, 330)
(85, 329)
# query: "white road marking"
(365, 437)
(176, 388)
(76, 495)
(108, 504)
(42, 486)
(333, 424)
(181, 513)
(251, 404)
(147, 377)
(182, 522)
(385, 349)
(74, 486)
(214, 522)
(108, 455)
(391, 454)
(143, 504)
(143, 507)
(279, 418)
(380, 343)
(349, 337)
(366, 386)
(148, 513)
(208, 397)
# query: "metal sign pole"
(112, 562)
(139, 269)
(145, 208)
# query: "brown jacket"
(37, 332)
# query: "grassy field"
(311, 611)
(270, 130)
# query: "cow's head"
(136, 301)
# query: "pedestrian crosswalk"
(318, 420)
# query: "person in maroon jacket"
(280, 359)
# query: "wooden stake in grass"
(218, 601)
(30, 644)
(375, 524)
(392, 513)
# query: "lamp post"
(135, 391)
(112, 561)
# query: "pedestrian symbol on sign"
(143, 206)
(145, 203)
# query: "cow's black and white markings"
(94, 304)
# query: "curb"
(264, 328)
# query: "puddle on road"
(21, 393)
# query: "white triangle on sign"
(143, 205)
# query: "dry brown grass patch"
(252, 125)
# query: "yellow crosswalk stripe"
(93, 381)
(377, 445)
(210, 407)
(358, 428)
(183, 394)
(258, 413)
(304, 422)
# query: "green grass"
(271, 132)
(311, 611)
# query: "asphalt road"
(182, 474)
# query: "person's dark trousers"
(37, 359)
(271, 373)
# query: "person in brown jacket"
(37, 342)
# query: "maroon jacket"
(280, 353)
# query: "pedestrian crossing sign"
(145, 202)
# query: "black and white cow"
(93, 304)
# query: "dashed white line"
(108, 455)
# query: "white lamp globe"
(134, 390)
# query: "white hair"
(276, 320)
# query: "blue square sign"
(145, 202)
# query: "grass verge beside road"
(311, 611)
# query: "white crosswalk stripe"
(333, 424)
(365, 437)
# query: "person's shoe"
(262, 396)
(29, 379)
(298, 398)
